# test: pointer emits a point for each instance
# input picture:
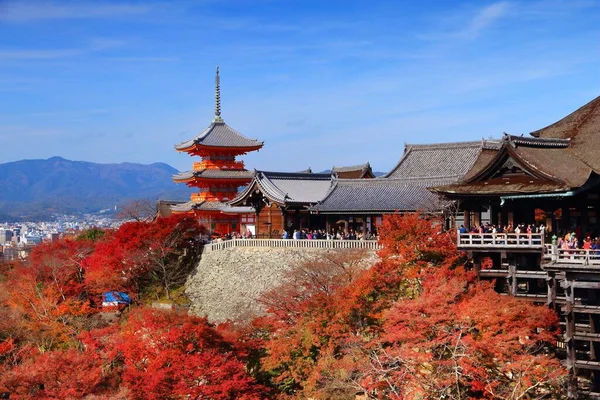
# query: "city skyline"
(339, 83)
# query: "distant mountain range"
(36, 189)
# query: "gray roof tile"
(382, 195)
(447, 160)
(289, 187)
(214, 173)
(219, 134)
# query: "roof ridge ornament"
(217, 98)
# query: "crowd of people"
(332, 235)
(305, 234)
(568, 241)
(489, 228)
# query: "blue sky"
(322, 83)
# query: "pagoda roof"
(219, 135)
(286, 188)
(216, 174)
(353, 172)
(215, 206)
(439, 160)
(381, 195)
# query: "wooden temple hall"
(550, 178)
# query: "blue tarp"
(116, 297)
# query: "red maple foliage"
(342, 341)
(168, 355)
(139, 253)
(461, 339)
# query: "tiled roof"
(210, 206)
(353, 172)
(288, 187)
(583, 128)
(214, 174)
(219, 134)
(438, 160)
(552, 164)
(165, 207)
(382, 195)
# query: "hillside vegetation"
(416, 325)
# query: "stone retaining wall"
(227, 283)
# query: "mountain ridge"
(37, 188)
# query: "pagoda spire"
(217, 98)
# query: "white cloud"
(484, 18)
(470, 25)
(27, 11)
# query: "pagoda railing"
(531, 241)
(291, 243)
(212, 164)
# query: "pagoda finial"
(217, 98)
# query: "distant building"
(6, 236)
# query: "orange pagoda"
(218, 175)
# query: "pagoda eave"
(202, 150)
(217, 182)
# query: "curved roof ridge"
(536, 141)
(295, 175)
(351, 167)
(429, 146)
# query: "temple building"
(362, 171)
(550, 179)
(282, 200)
(219, 174)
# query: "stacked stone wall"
(227, 283)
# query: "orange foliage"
(398, 321)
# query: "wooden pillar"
(512, 276)
(270, 221)
(551, 285)
(467, 219)
(477, 218)
(364, 225)
(569, 342)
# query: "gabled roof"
(353, 172)
(286, 188)
(548, 166)
(381, 195)
(219, 134)
(445, 160)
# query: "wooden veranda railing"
(527, 242)
(291, 243)
(467, 241)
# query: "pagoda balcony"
(218, 164)
(528, 242)
(207, 196)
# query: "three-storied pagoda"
(218, 174)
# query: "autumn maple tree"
(414, 325)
